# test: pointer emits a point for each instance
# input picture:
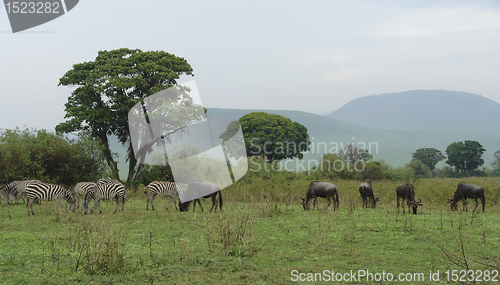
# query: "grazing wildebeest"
(406, 192)
(202, 187)
(465, 191)
(366, 192)
(324, 190)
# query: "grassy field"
(262, 236)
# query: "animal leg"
(97, 203)
(117, 203)
(329, 201)
(199, 203)
(152, 201)
(477, 203)
(214, 204)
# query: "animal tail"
(146, 190)
(220, 200)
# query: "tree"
(273, 136)
(352, 154)
(420, 170)
(496, 162)
(31, 154)
(109, 86)
(428, 156)
(465, 156)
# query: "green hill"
(395, 147)
(423, 110)
(330, 135)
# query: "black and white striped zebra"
(80, 190)
(104, 192)
(38, 191)
(160, 188)
(16, 189)
(107, 181)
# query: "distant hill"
(394, 146)
(331, 135)
(423, 110)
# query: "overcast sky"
(311, 56)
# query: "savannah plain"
(261, 236)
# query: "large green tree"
(428, 156)
(273, 136)
(465, 156)
(109, 86)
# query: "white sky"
(311, 56)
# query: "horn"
(302, 198)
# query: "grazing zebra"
(163, 189)
(104, 192)
(107, 181)
(38, 191)
(80, 190)
(16, 189)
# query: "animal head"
(184, 207)
(414, 205)
(305, 204)
(453, 204)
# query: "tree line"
(54, 158)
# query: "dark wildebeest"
(202, 187)
(324, 190)
(406, 192)
(366, 192)
(465, 191)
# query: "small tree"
(353, 154)
(428, 156)
(419, 169)
(465, 156)
(273, 136)
(496, 162)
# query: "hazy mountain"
(331, 135)
(423, 110)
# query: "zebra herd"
(104, 189)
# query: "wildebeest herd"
(105, 189)
(404, 192)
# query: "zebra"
(104, 192)
(20, 189)
(16, 188)
(161, 188)
(80, 190)
(107, 181)
(37, 191)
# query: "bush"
(31, 154)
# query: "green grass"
(261, 235)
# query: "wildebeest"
(202, 187)
(464, 191)
(406, 192)
(366, 192)
(324, 190)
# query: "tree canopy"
(465, 156)
(352, 154)
(109, 86)
(428, 156)
(273, 136)
(32, 154)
